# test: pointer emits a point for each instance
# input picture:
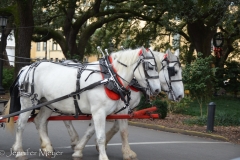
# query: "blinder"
(148, 66)
(171, 71)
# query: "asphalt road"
(148, 144)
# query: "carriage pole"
(141, 114)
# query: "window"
(44, 46)
(38, 46)
(54, 46)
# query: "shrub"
(179, 107)
(221, 119)
(8, 77)
(161, 105)
(200, 120)
(199, 79)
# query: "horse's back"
(52, 81)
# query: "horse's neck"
(125, 72)
(159, 57)
(127, 77)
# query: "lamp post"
(3, 23)
(218, 41)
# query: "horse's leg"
(22, 121)
(72, 133)
(41, 124)
(112, 131)
(100, 135)
(99, 119)
(81, 144)
(128, 154)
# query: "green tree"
(197, 76)
(232, 73)
(21, 19)
(72, 23)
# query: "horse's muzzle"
(178, 99)
(156, 92)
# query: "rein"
(56, 100)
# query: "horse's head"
(147, 75)
(170, 75)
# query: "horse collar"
(114, 82)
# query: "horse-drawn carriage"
(92, 91)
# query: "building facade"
(46, 50)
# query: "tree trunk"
(189, 55)
(24, 33)
(201, 36)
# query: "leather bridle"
(171, 72)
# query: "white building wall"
(10, 49)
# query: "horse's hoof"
(48, 154)
(22, 158)
(77, 158)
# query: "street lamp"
(3, 23)
(218, 41)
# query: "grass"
(227, 111)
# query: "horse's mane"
(158, 57)
(127, 57)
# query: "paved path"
(147, 143)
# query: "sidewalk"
(176, 130)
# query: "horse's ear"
(143, 51)
(176, 53)
(169, 53)
(150, 48)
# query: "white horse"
(53, 80)
(170, 75)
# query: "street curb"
(175, 130)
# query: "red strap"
(165, 56)
(119, 79)
(134, 89)
(140, 52)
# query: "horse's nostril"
(179, 97)
(157, 91)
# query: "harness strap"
(121, 90)
(80, 70)
(56, 100)
(25, 84)
(77, 109)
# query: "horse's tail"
(9, 122)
